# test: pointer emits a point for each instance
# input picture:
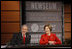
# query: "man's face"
(24, 29)
(47, 30)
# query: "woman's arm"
(43, 41)
(57, 40)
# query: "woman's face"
(47, 30)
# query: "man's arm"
(13, 40)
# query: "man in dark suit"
(21, 38)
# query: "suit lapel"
(21, 37)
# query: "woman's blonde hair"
(48, 25)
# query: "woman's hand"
(51, 42)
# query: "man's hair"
(48, 25)
(23, 26)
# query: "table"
(39, 46)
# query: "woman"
(48, 37)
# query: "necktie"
(24, 39)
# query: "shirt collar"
(22, 35)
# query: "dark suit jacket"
(18, 39)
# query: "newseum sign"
(43, 5)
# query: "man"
(22, 37)
(48, 37)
